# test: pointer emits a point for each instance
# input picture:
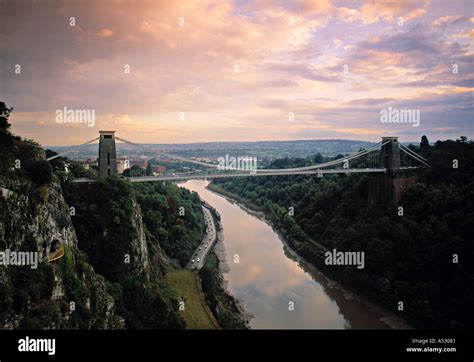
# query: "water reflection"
(266, 281)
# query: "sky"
(202, 71)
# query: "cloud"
(447, 20)
(374, 10)
(349, 15)
(182, 58)
(105, 33)
(314, 6)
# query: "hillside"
(103, 249)
(409, 258)
(34, 218)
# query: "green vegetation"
(21, 159)
(408, 258)
(81, 298)
(104, 225)
(128, 247)
(186, 285)
(173, 218)
(149, 170)
(148, 306)
(24, 291)
(7, 140)
(108, 223)
(223, 305)
(134, 171)
(211, 261)
(108, 227)
(40, 171)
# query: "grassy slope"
(186, 284)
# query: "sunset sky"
(290, 57)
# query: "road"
(206, 243)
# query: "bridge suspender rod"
(184, 159)
(414, 155)
(276, 171)
(74, 148)
(330, 163)
(413, 152)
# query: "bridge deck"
(243, 174)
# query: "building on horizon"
(87, 164)
(123, 163)
(158, 170)
(140, 162)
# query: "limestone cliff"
(111, 230)
(63, 291)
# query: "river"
(272, 286)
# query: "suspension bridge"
(388, 158)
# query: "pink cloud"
(182, 58)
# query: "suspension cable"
(413, 152)
(414, 155)
(330, 163)
(326, 164)
(74, 148)
(189, 160)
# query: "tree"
(462, 139)
(438, 222)
(149, 170)
(40, 171)
(4, 114)
(6, 138)
(318, 158)
(77, 169)
(135, 171)
(424, 144)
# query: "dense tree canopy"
(107, 223)
(408, 258)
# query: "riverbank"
(386, 317)
(225, 307)
(252, 208)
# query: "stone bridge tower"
(391, 185)
(390, 154)
(107, 154)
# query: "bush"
(40, 171)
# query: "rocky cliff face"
(47, 222)
(149, 260)
(101, 267)
(139, 244)
(63, 291)
(100, 271)
(110, 228)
